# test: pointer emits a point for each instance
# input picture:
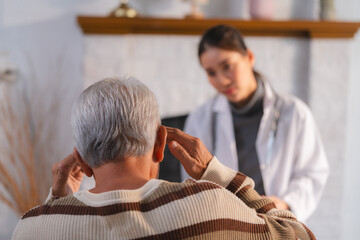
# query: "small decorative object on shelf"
(261, 9)
(195, 13)
(124, 10)
(327, 10)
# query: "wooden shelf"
(308, 29)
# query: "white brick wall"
(167, 65)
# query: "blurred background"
(46, 60)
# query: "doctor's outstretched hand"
(67, 176)
(189, 150)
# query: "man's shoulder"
(54, 206)
(201, 185)
(181, 191)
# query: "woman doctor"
(250, 128)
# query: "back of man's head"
(113, 119)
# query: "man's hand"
(67, 177)
(190, 151)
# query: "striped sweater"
(222, 205)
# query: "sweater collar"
(117, 196)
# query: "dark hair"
(224, 37)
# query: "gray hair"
(115, 118)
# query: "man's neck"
(129, 173)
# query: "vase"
(195, 12)
(327, 10)
(261, 9)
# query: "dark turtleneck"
(246, 122)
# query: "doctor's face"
(230, 73)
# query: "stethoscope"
(272, 134)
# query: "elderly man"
(119, 141)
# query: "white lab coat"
(297, 169)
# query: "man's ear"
(83, 165)
(160, 143)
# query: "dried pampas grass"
(27, 149)
(31, 136)
(21, 185)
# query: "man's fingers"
(64, 168)
(174, 134)
(190, 150)
(67, 163)
(77, 172)
(180, 153)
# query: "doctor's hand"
(279, 204)
(190, 151)
(67, 176)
